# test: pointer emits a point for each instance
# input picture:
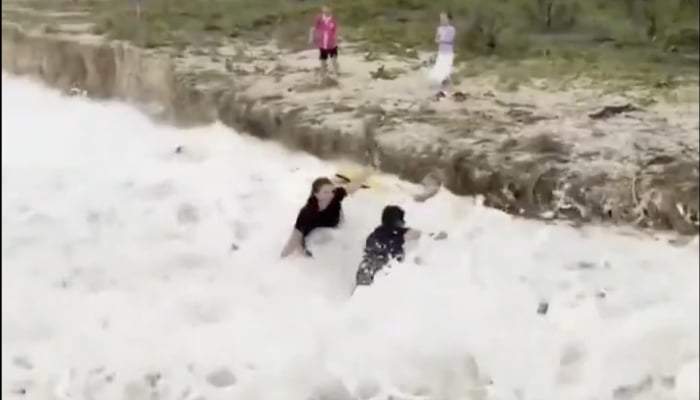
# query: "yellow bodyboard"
(346, 174)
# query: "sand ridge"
(531, 147)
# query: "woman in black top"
(323, 209)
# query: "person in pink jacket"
(324, 33)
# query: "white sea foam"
(119, 280)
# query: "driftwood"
(609, 111)
(459, 96)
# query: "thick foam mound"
(141, 262)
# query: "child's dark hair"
(392, 216)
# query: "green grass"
(630, 38)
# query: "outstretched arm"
(412, 234)
(415, 234)
(296, 239)
(312, 34)
(312, 31)
(293, 243)
(356, 184)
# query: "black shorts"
(324, 54)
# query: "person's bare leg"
(324, 70)
(336, 68)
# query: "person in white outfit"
(444, 38)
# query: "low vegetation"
(630, 35)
